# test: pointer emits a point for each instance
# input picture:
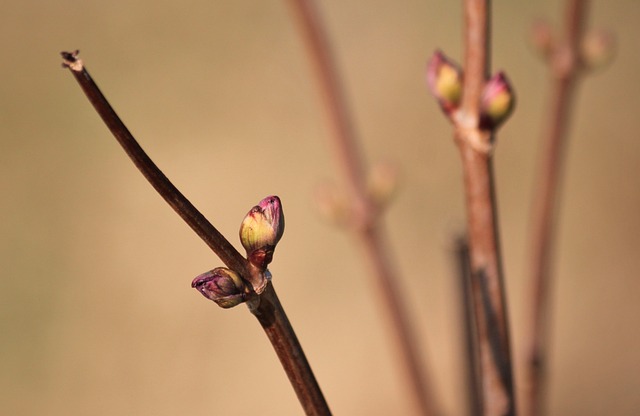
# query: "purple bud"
(221, 285)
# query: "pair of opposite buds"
(445, 80)
(260, 232)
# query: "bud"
(444, 78)
(332, 204)
(221, 285)
(541, 37)
(261, 230)
(382, 182)
(597, 49)
(497, 101)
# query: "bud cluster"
(596, 50)
(445, 80)
(260, 232)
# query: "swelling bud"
(221, 285)
(261, 230)
(444, 78)
(497, 101)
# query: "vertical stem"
(565, 69)
(487, 281)
(542, 247)
(487, 286)
(372, 242)
(365, 223)
(471, 365)
(344, 140)
(476, 54)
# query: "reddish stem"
(487, 281)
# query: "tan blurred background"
(97, 316)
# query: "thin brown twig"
(266, 306)
(365, 224)
(565, 66)
(487, 280)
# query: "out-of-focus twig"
(471, 370)
(566, 64)
(364, 220)
(265, 306)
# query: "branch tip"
(70, 60)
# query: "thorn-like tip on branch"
(70, 60)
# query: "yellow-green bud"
(261, 230)
(497, 101)
(444, 78)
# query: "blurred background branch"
(364, 214)
(567, 56)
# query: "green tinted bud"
(444, 78)
(261, 230)
(497, 101)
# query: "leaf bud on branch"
(221, 285)
(261, 230)
(444, 78)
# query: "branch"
(566, 67)
(364, 221)
(471, 367)
(265, 306)
(487, 280)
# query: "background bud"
(541, 37)
(332, 204)
(221, 285)
(598, 49)
(382, 182)
(444, 78)
(497, 101)
(261, 230)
